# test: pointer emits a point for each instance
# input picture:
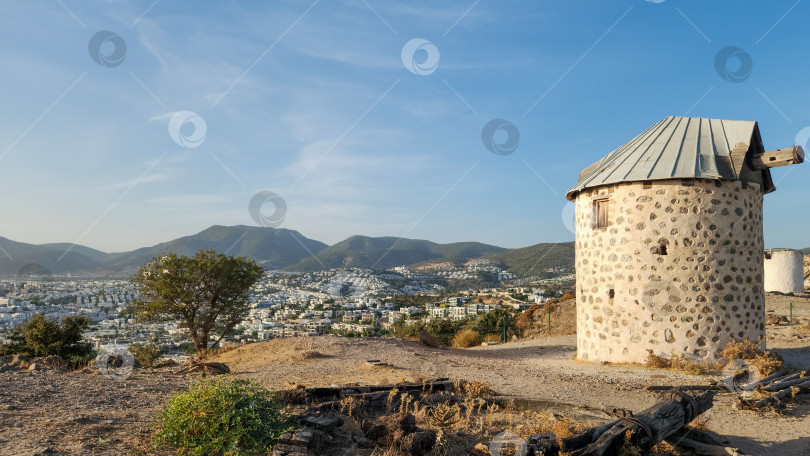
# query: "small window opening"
(647, 184)
(601, 209)
(611, 293)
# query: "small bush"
(568, 296)
(766, 362)
(222, 416)
(466, 338)
(679, 363)
(493, 338)
(305, 349)
(41, 337)
(656, 362)
(146, 354)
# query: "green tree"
(42, 336)
(209, 293)
(146, 354)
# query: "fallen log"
(652, 425)
(781, 397)
(211, 368)
(642, 430)
(773, 378)
(786, 384)
(783, 379)
(701, 443)
(687, 387)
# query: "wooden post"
(781, 157)
(653, 424)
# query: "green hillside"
(19, 258)
(388, 252)
(273, 248)
(534, 260)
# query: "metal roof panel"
(674, 148)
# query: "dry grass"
(750, 352)
(304, 348)
(466, 338)
(678, 363)
(493, 338)
(802, 329)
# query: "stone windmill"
(669, 243)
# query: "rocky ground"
(49, 412)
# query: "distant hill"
(806, 251)
(388, 252)
(533, 260)
(30, 259)
(273, 248)
(277, 249)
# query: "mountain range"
(274, 248)
(277, 248)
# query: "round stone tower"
(669, 243)
(784, 271)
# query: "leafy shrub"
(222, 416)
(146, 354)
(466, 338)
(40, 337)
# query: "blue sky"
(312, 101)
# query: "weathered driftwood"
(211, 368)
(644, 430)
(548, 444)
(784, 378)
(785, 384)
(687, 387)
(652, 425)
(777, 377)
(782, 396)
(701, 443)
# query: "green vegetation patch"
(222, 416)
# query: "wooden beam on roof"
(781, 157)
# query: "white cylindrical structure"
(784, 271)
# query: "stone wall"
(784, 271)
(677, 270)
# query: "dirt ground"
(51, 412)
(88, 414)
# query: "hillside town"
(356, 302)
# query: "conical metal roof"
(679, 148)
